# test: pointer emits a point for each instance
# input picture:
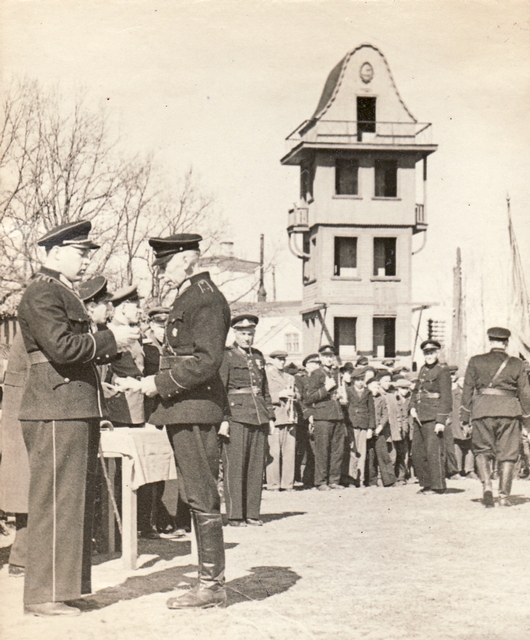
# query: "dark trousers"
(329, 451)
(451, 466)
(17, 555)
(197, 458)
(499, 437)
(305, 457)
(402, 451)
(378, 457)
(243, 465)
(62, 460)
(428, 456)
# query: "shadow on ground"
(262, 583)
(515, 500)
(270, 517)
(453, 490)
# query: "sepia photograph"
(264, 319)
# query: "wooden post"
(129, 538)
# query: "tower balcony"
(351, 134)
(298, 219)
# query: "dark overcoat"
(14, 466)
(189, 386)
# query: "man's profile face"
(130, 311)
(158, 330)
(98, 312)
(385, 382)
(326, 359)
(71, 261)
(279, 363)
(244, 337)
(312, 365)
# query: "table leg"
(129, 542)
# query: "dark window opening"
(345, 336)
(306, 185)
(347, 177)
(365, 117)
(384, 332)
(345, 257)
(385, 257)
(386, 178)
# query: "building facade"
(363, 173)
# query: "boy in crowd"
(377, 441)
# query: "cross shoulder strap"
(499, 371)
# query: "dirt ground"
(377, 564)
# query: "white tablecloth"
(149, 448)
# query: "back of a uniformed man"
(192, 401)
(495, 398)
(60, 414)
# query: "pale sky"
(220, 84)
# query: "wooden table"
(147, 457)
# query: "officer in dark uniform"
(496, 395)
(321, 395)
(60, 414)
(192, 401)
(431, 405)
(94, 293)
(250, 419)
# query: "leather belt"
(254, 390)
(493, 391)
(432, 395)
(37, 357)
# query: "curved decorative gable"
(363, 72)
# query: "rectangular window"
(292, 343)
(384, 333)
(385, 257)
(345, 337)
(365, 117)
(385, 178)
(345, 257)
(347, 177)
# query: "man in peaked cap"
(60, 415)
(192, 402)
(329, 434)
(495, 397)
(282, 443)
(96, 297)
(250, 416)
(431, 406)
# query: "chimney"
(227, 249)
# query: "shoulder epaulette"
(205, 286)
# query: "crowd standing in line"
(80, 363)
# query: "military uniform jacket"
(189, 386)
(126, 407)
(63, 382)
(323, 403)
(432, 397)
(361, 409)
(278, 381)
(512, 381)
(243, 375)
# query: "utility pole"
(262, 293)
(457, 343)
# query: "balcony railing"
(298, 217)
(351, 132)
(420, 214)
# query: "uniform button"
(209, 388)
(67, 380)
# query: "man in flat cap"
(60, 414)
(329, 434)
(125, 408)
(495, 398)
(361, 412)
(282, 443)
(250, 418)
(431, 406)
(192, 402)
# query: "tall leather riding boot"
(210, 592)
(505, 483)
(484, 472)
